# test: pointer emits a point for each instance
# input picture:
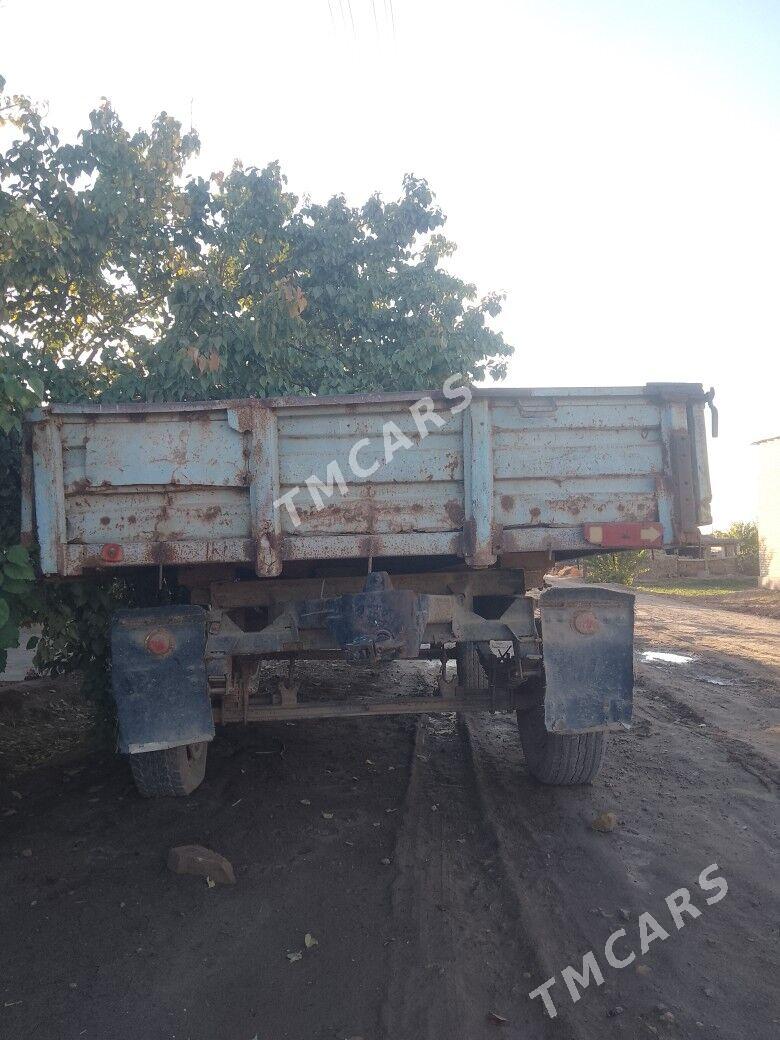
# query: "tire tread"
(562, 759)
(165, 773)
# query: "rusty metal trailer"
(369, 528)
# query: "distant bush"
(622, 568)
(748, 563)
(746, 533)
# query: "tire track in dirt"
(526, 858)
(461, 950)
(666, 621)
(576, 887)
(676, 708)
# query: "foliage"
(698, 587)
(77, 615)
(19, 390)
(123, 279)
(19, 597)
(746, 533)
(622, 568)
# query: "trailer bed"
(563, 470)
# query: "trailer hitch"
(368, 650)
(378, 624)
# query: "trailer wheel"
(175, 771)
(470, 670)
(559, 758)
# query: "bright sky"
(612, 165)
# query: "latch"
(710, 399)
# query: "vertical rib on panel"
(478, 532)
(259, 422)
(49, 496)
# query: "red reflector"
(585, 623)
(112, 553)
(159, 642)
(625, 536)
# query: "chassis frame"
(567, 649)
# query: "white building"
(769, 511)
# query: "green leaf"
(13, 587)
(19, 555)
(9, 635)
(17, 573)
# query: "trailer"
(369, 528)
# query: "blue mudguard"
(588, 637)
(158, 674)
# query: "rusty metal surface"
(375, 624)
(683, 476)
(519, 471)
(231, 594)
(465, 700)
(678, 391)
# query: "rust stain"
(535, 512)
(367, 546)
(455, 514)
(163, 552)
(105, 520)
(212, 513)
(508, 503)
(452, 463)
(469, 538)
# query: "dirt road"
(441, 884)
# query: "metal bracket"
(682, 474)
(377, 624)
(288, 694)
(710, 400)
(448, 688)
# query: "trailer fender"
(588, 639)
(158, 674)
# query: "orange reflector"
(159, 642)
(646, 535)
(112, 553)
(585, 622)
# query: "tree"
(746, 533)
(121, 278)
(621, 568)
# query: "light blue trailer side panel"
(364, 475)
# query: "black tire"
(559, 758)
(175, 772)
(470, 670)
